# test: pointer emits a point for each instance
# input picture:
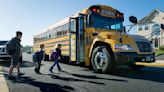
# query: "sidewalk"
(159, 61)
(3, 84)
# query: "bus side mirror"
(133, 19)
(162, 26)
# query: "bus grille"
(144, 46)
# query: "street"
(81, 79)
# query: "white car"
(3, 53)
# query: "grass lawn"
(159, 52)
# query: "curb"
(159, 61)
(3, 83)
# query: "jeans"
(56, 62)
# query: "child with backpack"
(37, 58)
(54, 57)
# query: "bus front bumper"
(132, 57)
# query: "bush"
(161, 48)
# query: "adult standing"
(14, 49)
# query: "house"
(149, 27)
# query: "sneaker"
(51, 71)
(20, 74)
(60, 70)
(38, 72)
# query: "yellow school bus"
(96, 37)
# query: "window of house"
(156, 29)
(140, 27)
(156, 14)
(146, 27)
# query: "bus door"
(72, 39)
(80, 40)
(77, 39)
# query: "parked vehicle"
(3, 52)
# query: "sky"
(32, 16)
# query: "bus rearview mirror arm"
(131, 26)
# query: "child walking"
(37, 58)
(54, 57)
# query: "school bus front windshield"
(97, 21)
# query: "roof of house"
(149, 17)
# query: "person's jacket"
(17, 47)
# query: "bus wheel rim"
(100, 60)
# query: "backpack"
(10, 46)
(37, 56)
(34, 59)
(53, 56)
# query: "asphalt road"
(80, 79)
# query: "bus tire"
(102, 60)
(135, 67)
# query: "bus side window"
(57, 31)
(54, 33)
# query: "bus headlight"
(123, 47)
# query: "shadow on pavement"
(148, 73)
(79, 78)
(74, 79)
(94, 77)
(44, 87)
(24, 64)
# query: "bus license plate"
(148, 58)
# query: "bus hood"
(117, 38)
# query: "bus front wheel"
(102, 60)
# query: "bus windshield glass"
(107, 23)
